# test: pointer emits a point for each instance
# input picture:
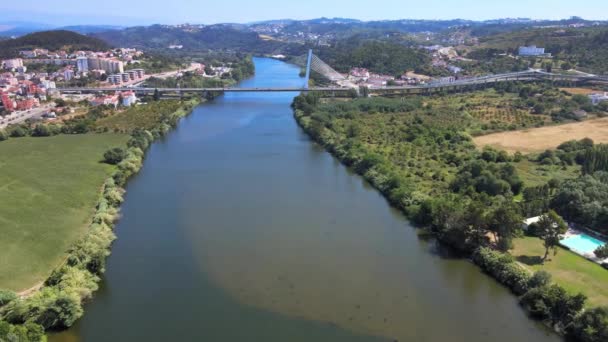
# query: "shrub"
(6, 297)
(3, 135)
(590, 326)
(114, 156)
(18, 132)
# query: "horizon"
(183, 12)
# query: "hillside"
(585, 48)
(377, 56)
(214, 37)
(52, 40)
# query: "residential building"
(7, 102)
(83, 64)
(128, 98)
(68, 74)
(12, 63)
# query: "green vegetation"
(51, 40)
(144, 117)
(417, 153)
(379, 57)
(569, 270)
(584, 200)
(579, 47)
(57, 181)
(49, 186)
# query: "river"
(239, 228)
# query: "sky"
(137, 12)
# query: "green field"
(48, 189)
(569, 270)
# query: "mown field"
(569, 270)
(542, 138)
(48, 189)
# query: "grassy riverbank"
(48, 187)
(569, 270)
(59, 302)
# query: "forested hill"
(377, 56)
(585, 48)
(215, 37)
(52, 40)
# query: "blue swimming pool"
(582, 243)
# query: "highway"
(513, 76)
(20, 116)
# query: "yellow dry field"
(543, 138)
(579, 91)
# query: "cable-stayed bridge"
(342, 86)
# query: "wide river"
(239, 228)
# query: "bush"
(18, 132)
(590, 326)
(3, 135)
(503, 268)
(114, 156)
(6, 297)
(539, 279)
(41, 131)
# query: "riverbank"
(59, 303)
(416, 158)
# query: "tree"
(505, 223)
(551, 227)
(539, 279)
(114, 156)
(566, 66)
(41, 131)
(602, 252)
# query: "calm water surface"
(239, 228)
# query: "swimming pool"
(582, 243)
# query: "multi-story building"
(83, 64)
(68, 74)
(111, 66)
(7, 102)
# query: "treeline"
(60, 301)
(425, 166)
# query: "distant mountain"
(52, 40)
(88, 29)
(19, 28)
(192, 38)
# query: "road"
(20, 116)
(162, 75)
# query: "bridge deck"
(515, 76)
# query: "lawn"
(48, 189)
(534, 174)
(573, 272)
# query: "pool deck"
(589, 256)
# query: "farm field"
(569, 270)
(543, 138)
(48, 189)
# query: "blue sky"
(121, 12)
